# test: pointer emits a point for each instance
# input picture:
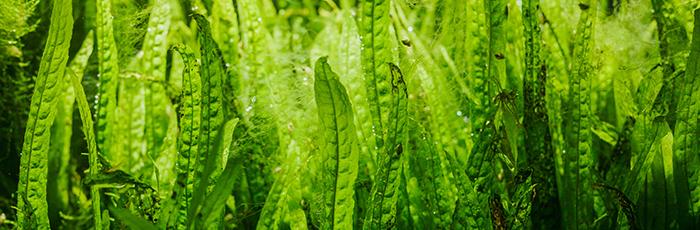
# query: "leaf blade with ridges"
(340, 156)
(31, 203)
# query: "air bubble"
(459, 113)
(410, 29)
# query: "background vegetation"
(341, 114)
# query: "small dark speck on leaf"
(583, 6)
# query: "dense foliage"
(342, 114)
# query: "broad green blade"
(32, 208)
(339, 152)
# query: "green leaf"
(154, 63)
(580, 215)
(59, 184)
(190, 122)
(210, 196)
(339, 152)
(546, 211)
(209, 187)
(468, 213)
(93, 155)
(212, 110)
(31, 190)
(108, 73)
(496, 64)
(687, 137)
(381, 213)
(131, 220)
(376, 51)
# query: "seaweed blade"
(32, 204)
(340, 155)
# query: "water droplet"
(253, 100)
(410, 29)
(249, 108)
(471, 134)
(271, 106)
(361, 38)
(304, 79)
(195, 8)
(260, 19)
(423, 138)
(459, 113)
(363, 48)
(149, 29)
(375, 147)
(228, 65)
(563, 151)
(230, 40)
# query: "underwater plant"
(349, 114)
